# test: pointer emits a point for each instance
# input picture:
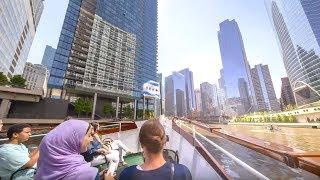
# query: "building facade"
(48, 57)
(188, 75)
(207, 100)
(36, 76)
(175, 95)
(18, 22)
(287, 97)
(197, 94)
(263, 89)
(296, 24)
(107, 47)
(236, 69)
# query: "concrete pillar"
(143, 105)
(94, 106)
(121, 107)
(147, 104)
(135, 109)
(4, 108)
(155, 108)
(63, 94)
(117, 108)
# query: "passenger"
(60, 153)
(97, 148)
(14, 156)
(152, 138)
(110, 144)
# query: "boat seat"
(21, 171)
(171, 156)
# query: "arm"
(98, 138)
(33, 160)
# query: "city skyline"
(203, 60)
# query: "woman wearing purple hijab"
(60, 153)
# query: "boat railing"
(231, 156)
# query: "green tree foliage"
(83, 106)
(109, 110)
(18, 81)
(3, 79)
(128, 112)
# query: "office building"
(235, 75)
(296, 24)
(18, 21)
(207, 99)
(197, 93)
(188, 75)
(48, 57)
(263, 89)
(175, 95)
(287, 97)
(36, 76)
(106, 47)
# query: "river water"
(306, 139)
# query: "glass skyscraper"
(190, 97)
(107, 46)
(236, 70)
(175, 95)
(263, 89)
(297, 26)
(18, 24)
(48, 57)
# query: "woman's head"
(63, 146)
(95, 126)
(152, 136)
(19, 132)
(87, 139)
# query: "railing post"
(193, 132)
(119, 130)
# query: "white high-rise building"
(18, 22)
(36, 76)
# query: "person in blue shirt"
(15, 157)
(152, 138)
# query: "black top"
(181, 172)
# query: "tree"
(18, 81)
(83, 106)
(88, 106)
(109, 110)
(3, 79)
(128, 111)
(79, 106)
(292, 119)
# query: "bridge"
(8, 94)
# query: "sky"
(187, 36)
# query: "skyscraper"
(297, 26)
(207, 102)
(108, 47)
(48, 57)
(263, 89)
(197, 93)
(236, 69)
(287, 97)
(175, 94)
(188, 75)
(18, 22)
